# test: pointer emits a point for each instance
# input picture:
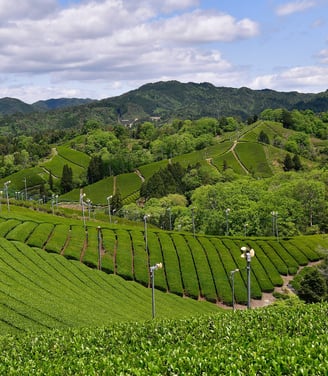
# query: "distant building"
(155, 118)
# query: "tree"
(116, 201)
(288, 163)
(263, 137)
(313, 287)
(297, 163)
(95, 170)
(66, 183)
(51, 181)
(287, 119)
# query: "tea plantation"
(270, 341)
(197, 267)
(60, 315)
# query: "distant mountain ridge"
(11, 106)
(191, 100)
(163, 100)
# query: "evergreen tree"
(116, 201)
(66, 183)
(288, 163)
(95, 170)
(287, 120)
(263, 137)
(297, 163)
(51, 181)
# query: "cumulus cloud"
(113, 35)
(200, 26)
(313, 78)
(294, 7)
(25, 9)
(115, 45)
(323, 55)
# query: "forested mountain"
(54, 104)
(11, 106)
(191, 100)
(162, 101)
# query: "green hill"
(245, 155)
(164, 100)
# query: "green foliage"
(282, 341)
(165, 181)
(263, 137)
(95, 170)
(312, 287)
(288, 163)
(66, 182)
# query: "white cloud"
(25, 9)
(294, 7)
(323, 55)
(109, 37)
(307, 78)
(200, 26)
(99, 48)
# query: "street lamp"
(170, 218)
(89, 207)
(99, 247)
(109, 212)
(248, 253)
(82, 195)
(25, 189)
(152, 277)
(227, 211)
(52, 204)
(232, 275)
(275, 224)
(146, 237)
(56, 197)
(193, 220)
(7, 195)
(245, 228)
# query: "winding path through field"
(232, 149)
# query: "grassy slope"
(39, 291)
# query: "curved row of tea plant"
(272, 341)
(198, 267)
(39, 291)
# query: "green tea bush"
(204, 273)
(273, 341)
(171, 264)
(188, 271)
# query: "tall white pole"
(152, 277)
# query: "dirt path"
(232, 149)
(268, 298)
(140, 175)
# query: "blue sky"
(103, 48)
